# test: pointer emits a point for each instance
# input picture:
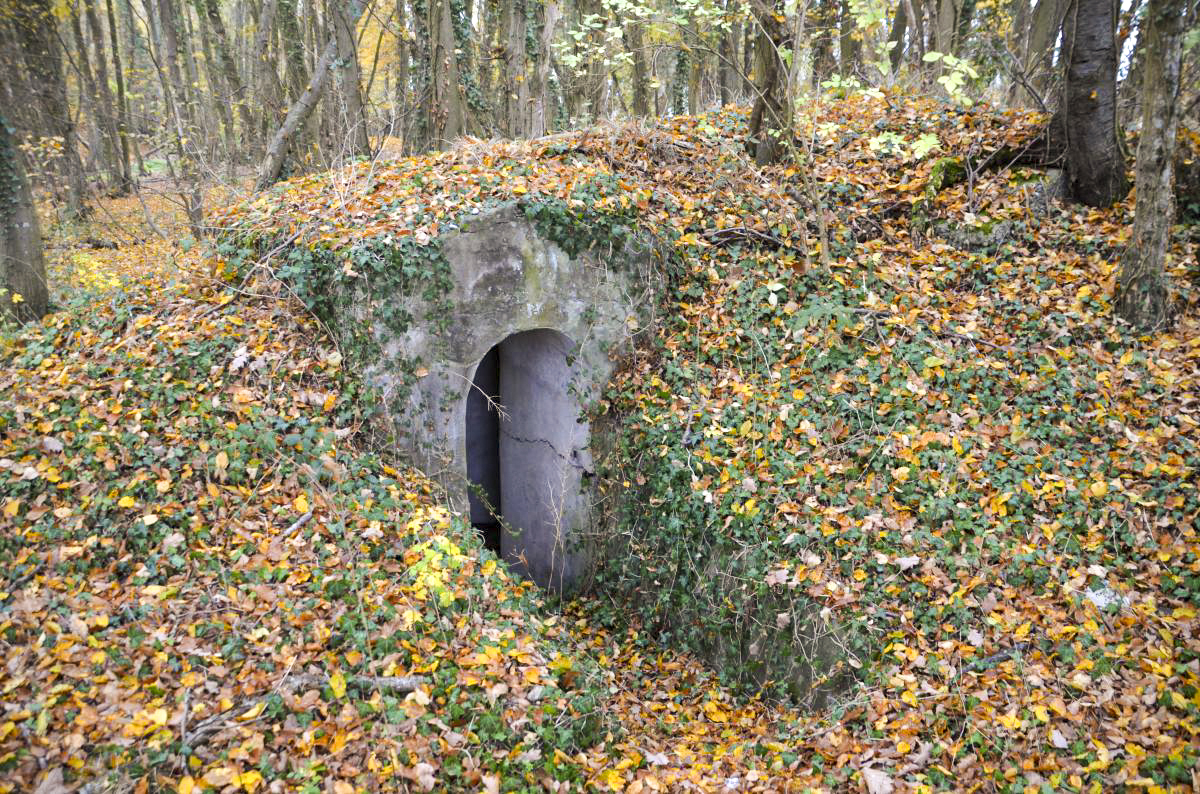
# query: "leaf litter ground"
(216, 577)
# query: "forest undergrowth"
(217, 578)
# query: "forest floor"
(217, 577)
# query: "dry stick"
(879, 315)
(301, 521)
(187, 711)
(988, 662)
(402, 684)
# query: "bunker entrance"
(527, 453)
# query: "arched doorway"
(527, 453)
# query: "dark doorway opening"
(526, 445)
(483, 449)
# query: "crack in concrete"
(565, 459)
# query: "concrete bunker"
(527, 454)
(522, 319)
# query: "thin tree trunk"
(128, 130)
(727, 55)
(203, 114)
(1095, 167)
(293, 48)
(769, 119)
(351, 108)
(914, 11)
(849, 47)
(302, 108)
(403, 56)
(1038, 61)
(23, 293)
(266, 81)
(104, 155)
(34, 23)
(120, 151)
(216, 81)
(516, 83)
(539, 91)
(234, 86)
(635, 45)
(182, 116)
(1141, 294)
(695, 77)
(946, 27)
(896, 37)
(447, 104)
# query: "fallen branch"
(880, 315)
(988, 662)
(299, 522)
(735, 234)
(202, 730)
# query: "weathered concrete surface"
(508, 279)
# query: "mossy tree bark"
(1141, 294)
(446, 103)
(516, 85)
(22, 268)
(770, 119)
(1095, 167)
(350, 105)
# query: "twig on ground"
(988, 662)
(401, 684)
(299, 522)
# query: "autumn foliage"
(938, 443)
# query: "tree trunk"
(130, 130)
(849, 47)
(302, 108)
(447, 103)
(539, 91)
(351, 108)
(403, 56)
(946, 26)
(770, 118)
(35, 27)
(120, 153)
(916, 22)
(104, 156)
(217, 95)
(234, 86)
(635, 45)
(182, 116)
(1038, 56)
(1095, 167)
(725, 58)
(896, 37)
(23, 294)
(293, 48)
(203, 114)
(266, 81)
(1141, 293)
(516, 85)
